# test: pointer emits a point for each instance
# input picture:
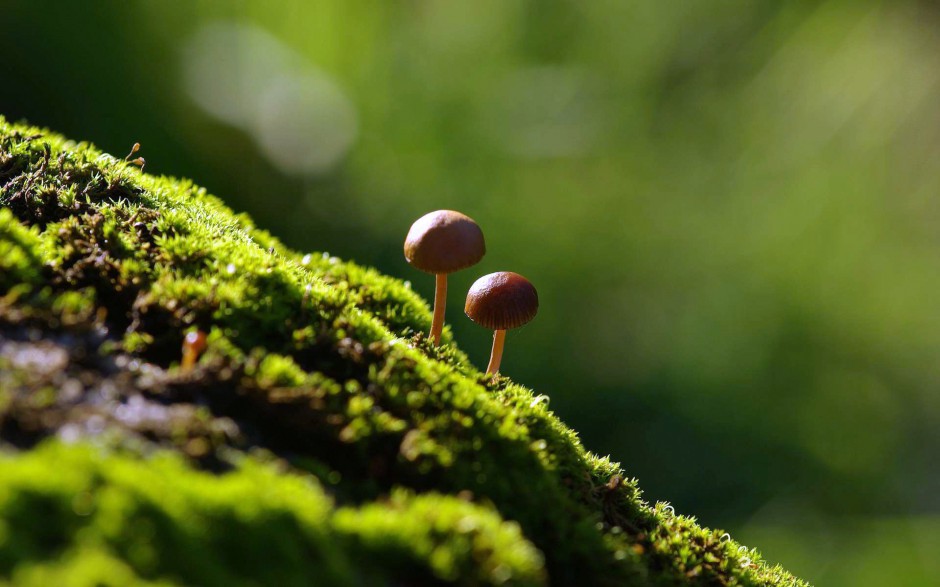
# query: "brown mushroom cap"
(443, 242)
(500, 301)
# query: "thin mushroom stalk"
(496, 355)
(440, 303)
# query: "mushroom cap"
(503, 300)
(195, 340)
(444, 241)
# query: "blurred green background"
(729, 207)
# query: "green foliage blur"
(729, 209)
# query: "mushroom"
(500, 301)
(442, 242)
(193, 345)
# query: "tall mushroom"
(500, 301)
(443, 242)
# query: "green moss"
(18, 262)
(461, 542)
(158, 522)
(310, 359)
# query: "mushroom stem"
(193, 344)
(440, 302)
(496, 356)
(189, 360)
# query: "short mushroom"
(443, 242)
(500, 301)
(193, 345)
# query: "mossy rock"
(319, 439)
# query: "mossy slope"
(336, 446)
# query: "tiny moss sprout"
(500, 301)
(139, 161)
(440, 243)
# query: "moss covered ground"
(319, 439)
